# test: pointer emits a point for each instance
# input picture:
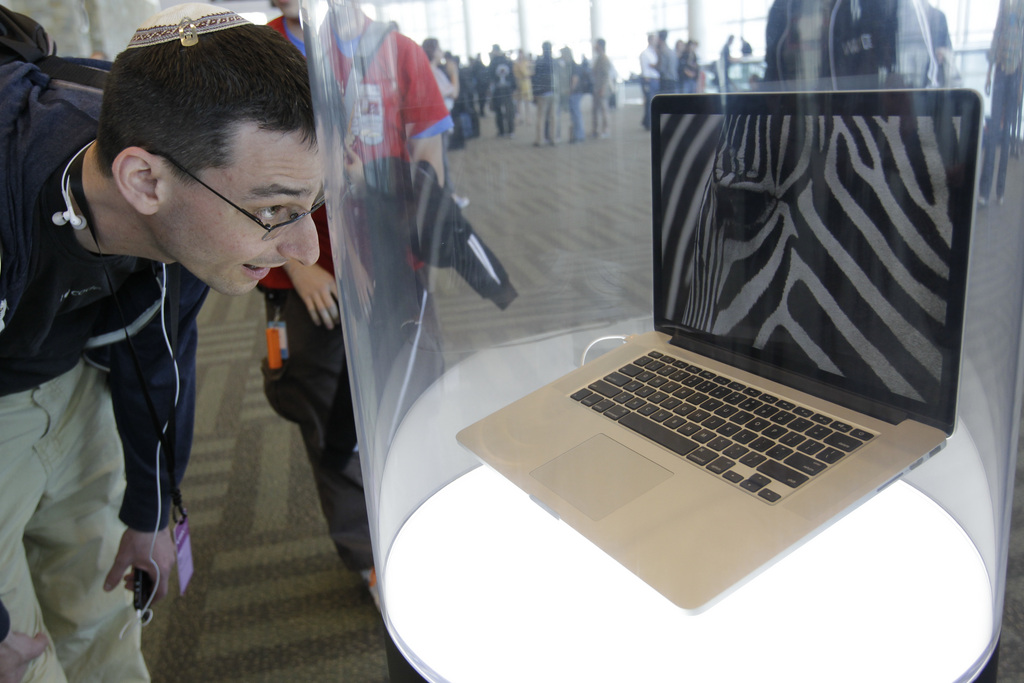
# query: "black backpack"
(23, 39)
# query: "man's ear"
(141, 178)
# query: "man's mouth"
(258, 272)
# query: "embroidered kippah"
(186, 23)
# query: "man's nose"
(300, 242)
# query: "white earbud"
(64, 217)
(69, 216)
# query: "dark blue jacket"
(43, 124)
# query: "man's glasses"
(281, 212)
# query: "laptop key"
(630, 370)
(810, 447)
(616, 412)
(616, 379)
(581, 394)
(689, 429)
(792, 439)
(736, 451)
(719, 443)
(591, 400)
(843, 442)
(768, 495)
(604, 388)
(702, 456)
(741, 417)
(750, 404)
(713, 422)
(752, 459)
(674, 422)
(735, 398)
(733, 476)
(830, 455)
(781, 473)
(757, 424)
(744, 436)
(761, 444)
(818, 432)
(703, 436)
(841, 426)
(661, 415)
(711, 405)
(636, 403)
(728, 429)
(807, 465)
(800, 424)
(862, 435)
(604, 405)
(755, 482)
(720, 465)
(648, 409)
(674, 441)
(783, 417)
(779, 452)
(699, 415)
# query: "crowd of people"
(523, 90)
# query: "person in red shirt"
(400, 114)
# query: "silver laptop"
(809, 272)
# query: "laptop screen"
(820, 239)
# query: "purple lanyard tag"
(183, 542)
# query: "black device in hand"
(143, 588)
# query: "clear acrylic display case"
(480, 583)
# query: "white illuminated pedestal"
(482, 585)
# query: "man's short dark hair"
(188, 102)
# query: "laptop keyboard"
(765, 445)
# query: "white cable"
(69, 216)
(144, 615)
(583, 356)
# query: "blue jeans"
(576, 133)
(650, 88)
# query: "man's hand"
(17, 651)
(318, 290)
(134, 552)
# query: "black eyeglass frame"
(269, 234)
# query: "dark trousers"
(1006, 98)
(504, 111)
(312, 390)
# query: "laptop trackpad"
(600, 475)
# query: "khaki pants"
(61, 484)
